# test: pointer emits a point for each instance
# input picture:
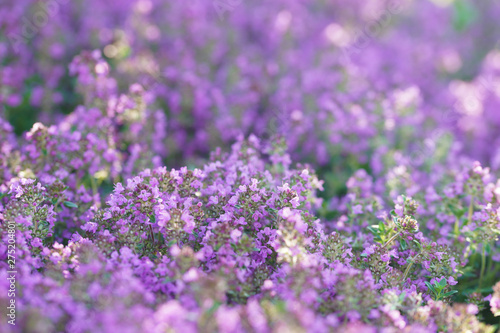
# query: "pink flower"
(235, 235)
(357, 209)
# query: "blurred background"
(338, 81)
(380, 97)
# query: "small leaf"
(450, 293)
(214, 308)
(464, 14)
(442, 283)
(70, 204)
(488, 248)
(457, 211)
(430, 286)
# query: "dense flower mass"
(249, 166)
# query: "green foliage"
(438, 290)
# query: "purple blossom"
(123, 210)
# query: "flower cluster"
(255, 166)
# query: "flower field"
(249, 166)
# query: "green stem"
(490, 261)
(456, 228)
(471, 210)
(57, 204)
(483, 266)
(93, 184)
(407, 270)
(391, 239)
(151, 232)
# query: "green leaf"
(464, 14)
(70, 204)
(442, 283)
(404, 244)
(450, 293)
(161, 239)
(431, 287)
(488, 248)
(214, 308)
(457, 211)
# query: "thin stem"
(57, 204)
(407, 270)
(151, 232)
(490, 261)
(94, 188)
(391, 239)
(456, 228)
(483, 266)
(471, 210)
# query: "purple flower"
(357, 209)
